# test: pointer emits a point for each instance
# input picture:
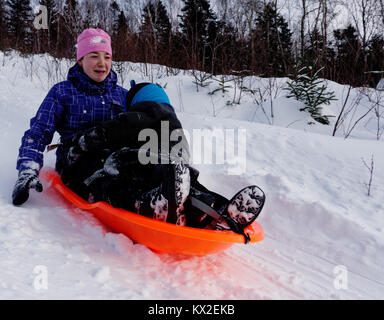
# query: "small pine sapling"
(306, 86)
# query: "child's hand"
(74, 154)
(90, 141)
(27, 180)
(93, 140)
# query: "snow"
(323, 233)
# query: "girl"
(88, 97)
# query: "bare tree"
(356, 107)
(363, 14)
(326, 14)
(376, 98)
(315, 15)
(304, 15)
(370, 168)
(173, 8)
(351, 105)
(341, 117)
(381, 13)
(240, 13)
(88, 7)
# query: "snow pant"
(159, 191)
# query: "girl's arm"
(40, 133)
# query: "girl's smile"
(96, 65)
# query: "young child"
(104, 164)
(88, 97)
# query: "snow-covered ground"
(324, 236)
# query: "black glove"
(74, 153)
(26, 180)
(92, 140)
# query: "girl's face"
(96, 65)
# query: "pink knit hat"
(92, 40)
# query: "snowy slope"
(318, 218)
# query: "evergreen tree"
(274, 41)
(314, 49)
(315, 52)
(307, 87)
(3, 28)
(114, 7)
(114, 11)
(198, 27)
(156, 22)
(19, 20)
(121, 24)
(155, 32)
(349, 59)
(375, 59)
(120, 37)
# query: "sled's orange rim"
(119, 216)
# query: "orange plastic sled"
(161, 237)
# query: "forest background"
(342, 39)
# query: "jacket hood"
(81, 81)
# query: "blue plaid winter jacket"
(70, 107)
